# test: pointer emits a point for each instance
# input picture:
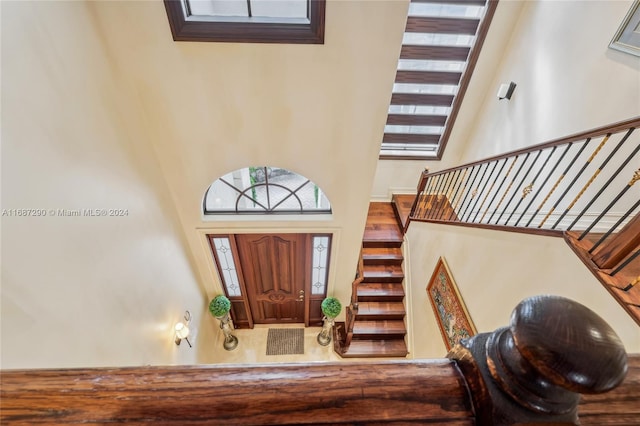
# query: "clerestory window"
(259, 190)
(247, 21)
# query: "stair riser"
(379, 316)
(382, 261)
(374, 336)
(376, 243)
(382, 279)
(380, 298)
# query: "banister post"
(533, 371)
(422, 183)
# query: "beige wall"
(101, 108)
(494, 271)
(215, 107)
(83, 291)
(568, 80)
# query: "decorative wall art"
(451, 314)
(627, 38)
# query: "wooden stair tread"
(379, 327)
(376, 348)
(382, 255)
(402, 204)
(619, 285)
(383, 273)
(381, 308)
(380, 289)
(382, 224)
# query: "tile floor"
(252, 347)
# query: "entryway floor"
(252, 347)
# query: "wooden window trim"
(246, 32)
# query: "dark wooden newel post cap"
(569, 344)
(534, 370)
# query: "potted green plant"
(219, 308)
(331, 308)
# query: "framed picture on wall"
(627, 38)
(451, 314)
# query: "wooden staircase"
(378, 325)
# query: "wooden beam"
(460, 2)
(421, 99)
(428, 77)
(418, 391)
(439, 53)
(415, 138)
(416, 119)
(464, 26)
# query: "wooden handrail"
(359, 278)
(598, 131)
(352, 310)
(408, 391)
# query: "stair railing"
(581, 186)
(352, 310)
(572, 183)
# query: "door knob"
(301, 296)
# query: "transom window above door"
(263, 189)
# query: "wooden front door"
(275, 275)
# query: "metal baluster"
(482, 191)
(478, 193)
(625, 263)
(427, 196)
(635, 281)
(455, 187)
(544, 183)
(505, 193)
(471, 191)
(445, 198)
(617, 172)
(618, 222)
(525, 192)
(517, 186)
(421, 200)
(558, 182)
(504, 163)
(455, 207)
(434, 197)
(590, 181)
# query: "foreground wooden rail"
(426, 391)
(456, 391)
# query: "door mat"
(285, 341)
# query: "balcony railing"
(580, 353)
(582, 186)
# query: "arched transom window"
(255, 190)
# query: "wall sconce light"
(506, 90)
(182, 329)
